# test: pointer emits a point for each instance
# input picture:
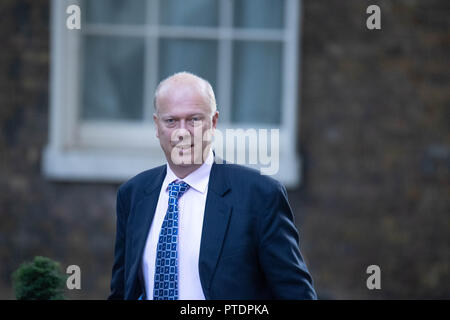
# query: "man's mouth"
(184, 146)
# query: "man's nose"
(184, 127)
(182, 124)
(181, 133)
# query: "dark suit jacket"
(249, 245)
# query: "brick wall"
(69, 222)
(374, 136)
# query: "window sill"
(116, 165)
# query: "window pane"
(196, 56)
(259, 13)
(256, 82)
(113, 78)
(189, 12)
(115, 11)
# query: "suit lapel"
(145, 211)
(215, 224)
(143, 217)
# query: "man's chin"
(184, 157)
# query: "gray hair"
(186, 77)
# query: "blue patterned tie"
(166, 268)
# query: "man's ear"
(215, 119)
(155, 120)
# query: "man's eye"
(169, 121)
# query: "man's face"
(182, 118)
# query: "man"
(196, 229)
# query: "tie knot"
(177, 189)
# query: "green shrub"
(41, 279)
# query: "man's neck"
(183, 171)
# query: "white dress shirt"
(190, 223)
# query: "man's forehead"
(183, 85)
(182, 95)
(180, 92)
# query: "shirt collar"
(197, 179)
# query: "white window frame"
(115, 151)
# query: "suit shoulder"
(243, 175)
(141, 180)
